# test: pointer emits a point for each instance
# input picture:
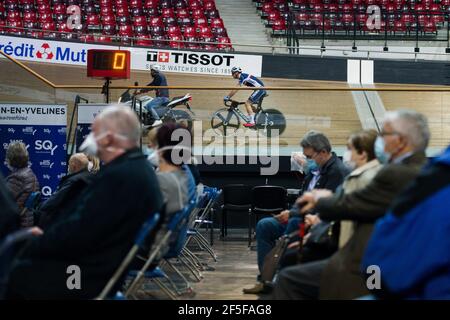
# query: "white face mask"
(153, 157)
(347, 160)
(89, 145)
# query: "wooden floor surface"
(332, 112)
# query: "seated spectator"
(69, 190)
(401, 145)
(173, 180)
(22, 181)
(94, 164)
(360, 158)
(9, 213)
(100, 231)
(410, 244)
(323, 170)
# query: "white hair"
(121, 120)
(412, 125)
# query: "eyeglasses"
(311, 156)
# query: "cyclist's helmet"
(236, 69)
(155, 67)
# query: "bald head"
(121, 121)
(78, 162)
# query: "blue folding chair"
(144, 232)
(31, 204)
(169, 246)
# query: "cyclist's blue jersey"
(250, 81)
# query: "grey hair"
(316, 140)
(17, 155)
(412, 125)
(121, 120)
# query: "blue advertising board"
(42, 128)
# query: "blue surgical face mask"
(311, 165)
(380, 153)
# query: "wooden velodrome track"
(332, 112)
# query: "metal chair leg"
(249, 228)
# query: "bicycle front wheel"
(224, 122)
(270, 122)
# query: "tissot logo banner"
(195, 62)
(86, 115)
(60, 52)
(42, 128)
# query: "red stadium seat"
(224, 43)
(183, 13)
(175, 41)
(152, 12)
(220, 32)
(93, 20)
(165, 4)
(200, 22)
(174, 31)
(279, 25)
(190, 32)
(205, 32)
(108, 19)
(198, 13)
(123, 20)
(194, 5)
(106, 11)
(167, 12)
(140, 21)
(135, 4)
(143, 41)
(104, 39)
(140, 30)
(156, 22)
(109, 29)
(126, 31)
(211, 14)
(45, 17)
(209, 5)
(122, 12)
(180, 4)
(59, 9)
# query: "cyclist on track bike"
(249, 81)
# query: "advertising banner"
(86, 115)
(42, 128)
(72, 53)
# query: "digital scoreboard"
(108, 64)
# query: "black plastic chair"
(236, 197)
(266, 200)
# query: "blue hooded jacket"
(411, 243)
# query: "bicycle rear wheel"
(270, 122)
(224, 122)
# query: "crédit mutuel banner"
(61, 52)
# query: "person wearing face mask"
(173, 179)
(22, 181)
(68, 193)
(323, 169)
(100, 230)
(405, 136)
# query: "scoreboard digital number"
(111, 64)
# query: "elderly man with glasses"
(401, 147)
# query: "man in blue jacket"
(411, 244)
